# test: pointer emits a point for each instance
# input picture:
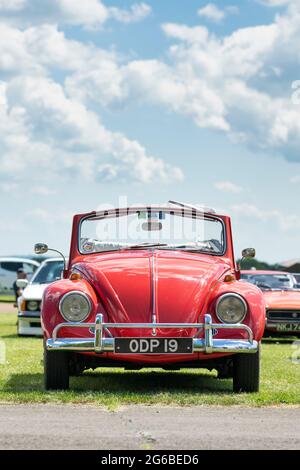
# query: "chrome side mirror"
(248, 253)
(40, 248)
(22, 283)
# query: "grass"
(21, 379)
(7, 298)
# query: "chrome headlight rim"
(238, 296)
(68, 294)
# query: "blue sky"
(150, 101)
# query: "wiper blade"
(203, 247)
(146, 245)
(192, 248)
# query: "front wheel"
(56, 370)
(246, 372)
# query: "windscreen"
(163, 229)
(49, 272)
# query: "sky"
(123, 102)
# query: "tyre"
(56, 370)
(246, 372)
(76, 365)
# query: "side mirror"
(40, 248)
(248, 253)
(22, 283)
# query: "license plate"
(288, 327)
(153, 345)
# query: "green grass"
(21, 379)
(7, 298)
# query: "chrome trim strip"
(153, 292)
(100, 344)
(27, 314)
(98, 333)
(208, 336)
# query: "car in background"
(282, 299)
(29, 303)
(8, 272)
(297, 277)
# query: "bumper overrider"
(103, 341)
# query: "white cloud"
(285, 222)
(229, 83)
(159, 83)
(276, 3)
(211, 12)
(45, 216)
(43, 129)
(228, 186)
(12, 5)
(46, 126)
(90, 14)
(137, 12)
(295, 179)
(8, 187)
(42, 191)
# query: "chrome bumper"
(100, 344)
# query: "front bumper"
(29, 324)
(100, 343)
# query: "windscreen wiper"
(146, 245)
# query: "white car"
(8, 272)
(29, 303)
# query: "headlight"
(32, 305)
(75, 306)
(231, 308)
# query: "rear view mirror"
(152, 226)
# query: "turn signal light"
(229, 278)
(75, 277)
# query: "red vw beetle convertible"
(152, 286)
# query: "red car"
(282, 298)
(152, 286)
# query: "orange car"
(282, 297)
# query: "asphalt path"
(148, 427)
